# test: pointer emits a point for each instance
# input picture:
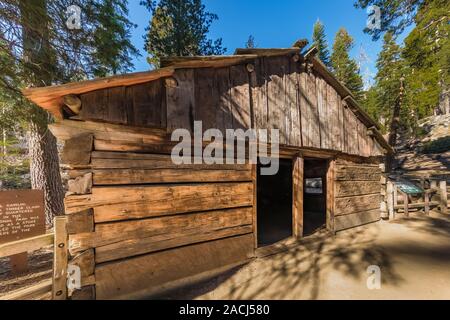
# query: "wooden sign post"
(21, 216)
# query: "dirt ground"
(39, 269)
(413, 255)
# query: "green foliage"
(437, 146)
(179, 28)
(14, 164)
(386, 91)
(320, 42)
(37, 48)
(424, 61)
(372, 107)
(113, 47)
(427, 53)
(45, 51)
(344, 68)
(396, 15)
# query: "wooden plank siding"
(277, 94)
(181, 101)
(142, 105)
(357, 194)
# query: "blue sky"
(274, 24)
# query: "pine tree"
(387, 81)
(250, 44)
(45, 51)
(344, 68)
(114, 50)
(320, 42)
(395, 15)
(179, 28)
(427, 53)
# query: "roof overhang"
(51, 98)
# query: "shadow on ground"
(297, 272)
(413, 255)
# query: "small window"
(313, 186)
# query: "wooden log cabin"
(139, 224)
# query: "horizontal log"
(77, 150)
(80, 222)
(75, 173)
(136, 247)
(26, 245)
(136, 277)
(354, 204)
(126, 160)
(362, 173)
(356, 219)
(130, 146)
(85, 261)
(67, 129)
(355, 188)
(114, 203)
(137, 176)
(358, 162)
(159, 229)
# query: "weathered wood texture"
(357, 194)
(136, 277)
(60, 259)
(131, 209)
(356, 219)
(127, 238)
(297, 196)
(142, 105)
(122, 203)
(276, 94)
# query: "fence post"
(444, 198)
(390, 199)
(60, 259)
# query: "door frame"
(298, 166)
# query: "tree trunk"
(394, 126)
(39, 69)
(44, 169)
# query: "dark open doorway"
(314, 196)
(274, 205)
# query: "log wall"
(356, 193)
(277, 93)
(137, 221)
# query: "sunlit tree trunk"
(44, 166)
(44, 169)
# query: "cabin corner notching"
(139, 224)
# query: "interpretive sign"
(408, 187)
(21, 214)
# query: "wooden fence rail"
(435, 196)
(57, 285)
(26, 245)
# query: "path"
(413, 254)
